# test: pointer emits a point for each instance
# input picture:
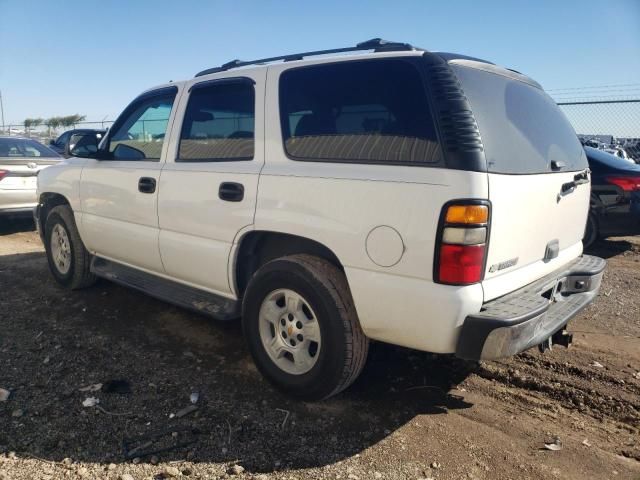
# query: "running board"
(210, 304)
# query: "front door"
(119, 192)
(209, 184)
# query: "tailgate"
(537, 176)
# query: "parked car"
(61, 143)
(428, 200)
(615, 196)
(20, 161)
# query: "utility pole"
(2, 111)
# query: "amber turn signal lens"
(467, 214)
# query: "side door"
(119, 191)
(209, 184)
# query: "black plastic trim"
(461, 141)
(375, 44)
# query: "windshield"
(24, 147)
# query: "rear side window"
(19, 147)
(522, 128)
(218, 123)
(373, 111)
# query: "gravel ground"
(410, 415)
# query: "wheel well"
(47, 202)
(259, 247)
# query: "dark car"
(60, 144)
(615, 196)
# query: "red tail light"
(461, 264)
(462, 243)
(3, 173)
(628, 184)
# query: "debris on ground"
(586, 443)
(554, 446)
(195, 396)
(185, 411)
(4, 394)
(90, 402)
(235, 470)
(597, 364)
(91, 388)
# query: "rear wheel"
(591, 231)
(301, 327)
(68, 259)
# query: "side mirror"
(52, 142)
(83, 145)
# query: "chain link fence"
(611, 125)
(44, 134)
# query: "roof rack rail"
(375, 44)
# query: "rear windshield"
(522, 128)
(23, 147)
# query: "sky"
(93, 57)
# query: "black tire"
(78, 274)
(591, 233)
(344, 346)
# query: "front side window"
(373, 111)
(218, 123)
(140, 134)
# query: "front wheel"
(302, 328)
(68, 258)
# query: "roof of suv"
(375, 47)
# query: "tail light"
(627, 184)
(3, 173)
(461, 246)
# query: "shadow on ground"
(609, 248)
(55, 342)
(11, 225)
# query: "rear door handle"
(231, 191)
(147, 185)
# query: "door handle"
(231, 192)
(147, 185)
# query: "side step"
(207, 303)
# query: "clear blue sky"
(92, 57)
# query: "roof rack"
(375, 44)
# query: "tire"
(329, 316)
(591, 233)
(69, 262)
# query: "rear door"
(209, 184)
(533, 159)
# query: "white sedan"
(20, 161)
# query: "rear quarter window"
(371, 111)
(522, 128)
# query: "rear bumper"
(528, 316)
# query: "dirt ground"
(410, 415)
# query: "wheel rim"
(60, 249)
(289, 331)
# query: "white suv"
(428, 200)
